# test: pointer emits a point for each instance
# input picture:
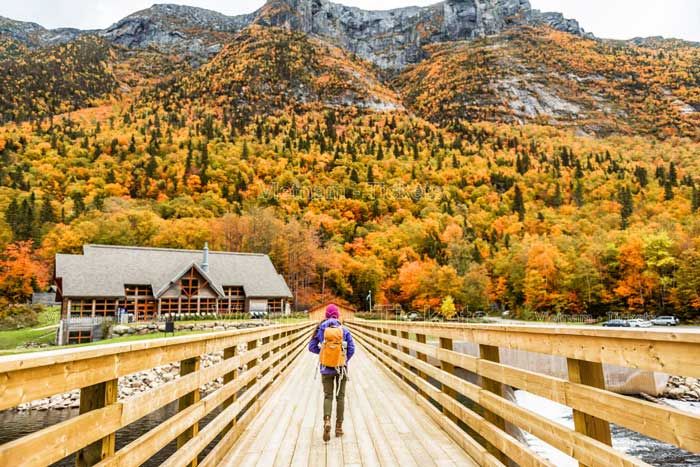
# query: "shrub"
(19, 316)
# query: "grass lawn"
(9, 340)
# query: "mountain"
(495, 60)
(264, 69)
(55, 79)
(390, 39)
(196, 33)
(393, 39)
(34, 35)
(476, 149)
(538, 74)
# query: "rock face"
(390, 39)
(34, 35)
(196, 33)
(393, 39)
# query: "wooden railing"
(248, 378)
(479, 423)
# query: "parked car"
(414, 317)
(665, 321)
(258, 314)
(479, 314)
(639, 323)
(616, 323)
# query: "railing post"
(490, 353)
(446, 343)
(188, 366)
(92, 398)
(421, 339)
(590, 374)
(266, 355)
(228, 377)
(252, 345)
(405, 350)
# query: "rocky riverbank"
(684, 389)
(130, 385)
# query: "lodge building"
(148, 283)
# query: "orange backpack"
(333, 348)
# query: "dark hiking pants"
(330, 383)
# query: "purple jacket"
(317, 338)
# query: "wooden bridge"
(407, 402)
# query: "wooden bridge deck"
(383, 426)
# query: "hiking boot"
(326, 429)
(339, 428)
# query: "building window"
(234, 301)
(207, 305)
(169, 306)
(234, 291)
(138, 290)
(79, 337)
(275, 305)
(188, 305)
(189, 284)
(105, 308)
(145, 310)
(81, 309)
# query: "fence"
(480, 426)
(247, 381)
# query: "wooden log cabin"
(108, 282)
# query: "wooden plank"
(301, 384)
(51, 444)
(590, 374)
(219, 452)
(446, 344)
(479, 455)
(230, 353)
(491, 353)
(91, 398)
(672, 352)
(188, 366)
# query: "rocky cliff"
(390, 39)
(393, 39)
(34, 35)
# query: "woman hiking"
(335, 347)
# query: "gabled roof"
(219, 291)
(102, 271)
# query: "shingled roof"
(103, 271)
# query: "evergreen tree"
(668, 190)
(627, 206)
(47, 214)
(354, 177)
(370, 175)
(695, 200)
(519, 203)
(578, 194)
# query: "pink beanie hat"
(332, 311)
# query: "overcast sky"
(620, 19)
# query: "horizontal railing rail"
(247, 381)
(404, 349)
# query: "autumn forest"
(280, 145)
